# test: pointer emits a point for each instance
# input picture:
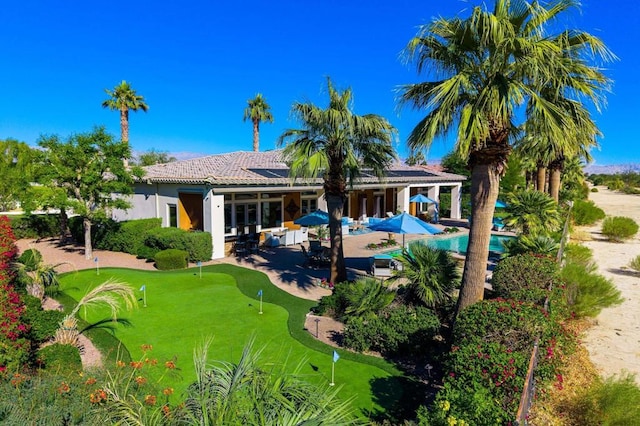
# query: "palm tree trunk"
(485, 184)
(124, 131)
(338, 272)
(88, 254)
(542, 177)
(124, 125)
(256, 135)
(554, 183)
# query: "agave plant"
(110, 293)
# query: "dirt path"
(614, 340)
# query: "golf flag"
(143, 288)
(199, 264)
(336, 357)
(259, 293)
(260, 296)
(95, 260)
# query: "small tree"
(89, 168)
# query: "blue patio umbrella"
(316, 218)
(403, 224)
(420, 198)
(501, 204)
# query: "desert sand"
(614, 340)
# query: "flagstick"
(333, 368)
(260, 304)
(144, 297)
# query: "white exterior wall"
(213, 213)
(456, 206)
(403, 199)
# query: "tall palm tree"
(432, 273)
(337, 144)
(124, 98)
(486, 68)
(258, 110)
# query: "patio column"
(213, 216)
(322, 203)
(433, 192)
(402, 202)
(456, 211)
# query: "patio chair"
(498, 224)
(270, 240)
(309, 258)
(240, 248)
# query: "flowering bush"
(15, 348)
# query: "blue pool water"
(459, 243)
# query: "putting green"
(183, 309)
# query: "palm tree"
(491, 64)
(532, 212)
(432, 273)
(367, 297)
(257, 111)
(124, 98)
(337, 144)
(109, 293)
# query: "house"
(241, 192)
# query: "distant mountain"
(612, 169)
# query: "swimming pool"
(458, 244)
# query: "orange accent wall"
(190, 211)
(292, 198)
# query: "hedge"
(60, 358)
(197, 244)
(127, 237)
(35, 226)
(171, 259)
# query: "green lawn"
(182, 309)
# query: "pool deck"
(284, 265)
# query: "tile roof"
(265, 169)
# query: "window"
(309, 205)
(271, 214)
(172, 212)
(227, 219)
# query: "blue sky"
(198, 62)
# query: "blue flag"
(143, 288)
(95, 260)
(199, 264)
(336, 357)
(259, 293)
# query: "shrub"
(524, 277)
(635, 264)
(362, 298)
(616, 401)
(30, 258)
(43, 323)
(579, 254)
(171, 259)
(592, 291)
(127, 237)
(36, 226)
(196, 244)
(401, 330)
(594, 189)
(60, 357)
(586, 213)
(619, 228)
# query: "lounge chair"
(270, 240)
(382, 266)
